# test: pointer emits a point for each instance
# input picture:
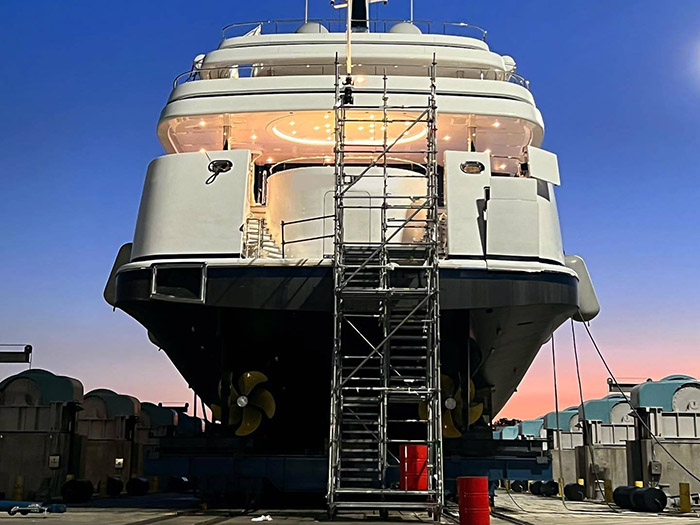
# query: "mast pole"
(306, 11)
(411, 3)
(348, 50)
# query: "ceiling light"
(269, 159)
(329, 139)
(360, 79)
(502, 167)
(487, 151)
(316, 128)
(496, 124)
(446, 137)
(253, 136)
(291, 122)
(294, 132)
(325, 116)
(371, 117)
(360, 128)
(202, 150)
(202, 123)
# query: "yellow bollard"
(561, 487)
(607, 487)
(581, 481)
(507, 485)
(18, 493)
(639, 484)
(685, 497)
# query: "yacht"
(324, 183)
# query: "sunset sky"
(618, 84)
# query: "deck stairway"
(258, 240)
(386, 342)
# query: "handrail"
(238, 71)
(283, 224)
(338, 25)
(328, 158)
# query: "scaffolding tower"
(385, 390)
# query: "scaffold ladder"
(385, 390)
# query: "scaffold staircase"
(386, 363)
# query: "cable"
(586, 435)
(634, 411)
(559, 448)
(559, 444)
(556, 412)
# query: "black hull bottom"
(502, 318)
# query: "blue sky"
(618, 84)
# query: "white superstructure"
(233, 249)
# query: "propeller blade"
(475, 412)
(459, 406)
(448, 386)
(448, 427)
(472, 390)
(248, 380)
(215, 412)
(262, 399)
(423, 411)
(251, 421)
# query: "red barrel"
(413, 470)
(473, 494)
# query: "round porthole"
(472, 167)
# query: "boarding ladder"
(386, 369)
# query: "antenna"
(357, 21)
(411, 3)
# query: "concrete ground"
(526, 509)
(520, 509)
(125, 516)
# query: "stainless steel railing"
(338, 25)
(239, 71)
(285, 224)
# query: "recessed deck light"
(202, 123)
(496, 124)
